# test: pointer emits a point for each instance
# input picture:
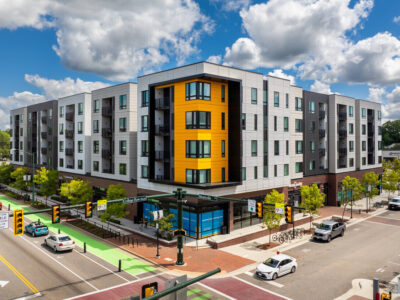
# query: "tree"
(370, 182)
(77, 191)
(47, 180)
(165, 223)
(114, 191)
(5, 173)
(391, 132)
(390, 180)
(271, 219)
(18, 175)
(313, 200)
(4, 144)
(351, 184)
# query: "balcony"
(342, 151)
(342, 116)
(70, 166)
(322, 133)
(322, 167)
(162, 155)
(43, 135)
(322, 114)
(370, 118)
(44, 151)
(342, 133)
(44, 120)
(162, 103)
(106, 111)
(69, 116)
(162, 130)
(321, 152)
(106, 132)
(69, 134)
(106, 154)
(370, 132)
(108, 171)
(69, 151)
(341, 166)
(162, 177)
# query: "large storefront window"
(242, 217)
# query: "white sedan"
(60, 242)
(276, 266)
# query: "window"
(351, 128)
(80, 146)
(122, 147)
(145, 98)
(364, 161)
(122, 169)
(95, 166)
(254, 148)
(243, 173)
(61, 113)
(222, 93)
(285, 170)
(379, 145)
(287, 100)
(299, 104)
(379, 159)
(243, 121)
(379, 115)
(223, 121)
(379, 130)
(96, 106)
(312, 165)
(311, 107)
(222, 174)
(198, 90)
(95, 126)
(49, 130)
(80, 108)
(285, 124)
(363, 129)
(80, 164)
(122, 124)
(298, 123)
(351, 146)
(312, 146)
(80, 127)
(351, 112)
(287, 147)
(265, 97)
(222, 148)
(96, 146)
(299, 167)
(145, 148)
(21, 132)
(61, 146)
(122, 102)
(255, 172)
(30, 116)
(61, 162)
(364, 146)
(145, 173)
(198, 176)
(276, 147)
(276, 99)
(265, 171)
(144, 124)
(21, 145)
(253, 96)
(265, 147)
(275, 170)
(255, 122)
(275, 123)
(50, 113)
(363, 112)
(299, 147)
(312, 126)
(351, 162)
(198, 149)
(198, 120)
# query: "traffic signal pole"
(179, 196)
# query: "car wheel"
(342, 233)
(33, 234)
(55, 248)
(45, 241)
(274, 276)
(329, 238)
(293, 269)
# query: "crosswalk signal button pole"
(18, 221)
(55, 217)
(88, 209)
(259, 209)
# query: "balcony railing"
(106, 154)
(322, 167)
(106, 132)
(342, 151)
(106, 111)
(44, 151)
(342, 133)
(162, 155)
(370, 119)
(44, 120)
(108, 171)
(162, 177)
(44, 135)
(162, 103)
(322, 114)
(162, 130)
(341, 166)
(69, 151)
(69, 116)
(69, 134)
(342, 116)
(70, 166)
(321, 151)
(322, 133)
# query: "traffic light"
(149, 289)
(18, 221)
(55, 217)
(88, 209)
(259, 209)
(289, 214)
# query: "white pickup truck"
(329, 229)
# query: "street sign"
(180, 294)
(4, 216)
(280, 208)
(207, 197)
(251, 205)
(101, 205)
(158, 214)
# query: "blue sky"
(50, 49)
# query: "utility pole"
(179, 196)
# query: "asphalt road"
(29, 267)
(368, 249)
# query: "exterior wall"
(295, 92)
(16, 136)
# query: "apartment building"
(18, 136)
(74, 130)
(113, 132)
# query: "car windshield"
(324, 227)
(396, 200)
(64, 238)
(41, 226)
(270, 262)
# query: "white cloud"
(391, 110)
(115, 39)
(376, 94)
(216, 59)
(232, 5)
(279, 73)
(321, 87)
(396, 19)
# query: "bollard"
(119, 266)
(398, 286)
(123, 239)
(375, 287)
(59, 231)
(8, 207)
(84, 247)
(137, 243)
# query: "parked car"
(60, 242)
(328, 230)
(37, 229)
(394, 203)
(276, 266)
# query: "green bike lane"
(109, 254)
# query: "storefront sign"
(101, 205)
(280, 208)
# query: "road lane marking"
(249, 273)
(392, 262)
(261, 288)
(279, 285)
(19, 275)
(3, 283)
(29, 297)
(374, 222)
(215, 291)
(380, 270)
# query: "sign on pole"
(280, 208)
(101, 205)
(4, 216)
(251, 205)
(158, 214)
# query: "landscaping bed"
(267, 246)
(93, 229)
